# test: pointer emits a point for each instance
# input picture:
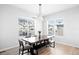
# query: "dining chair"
(51, 42)
(46, 42)
(23, 46)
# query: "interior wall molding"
(68, 44)
(5, 49)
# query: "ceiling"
(47, 9)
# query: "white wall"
(9, 25)
(71, 26)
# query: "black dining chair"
(23, 46)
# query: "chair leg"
(22, 52)
(28, 51)
(53, 44)
(50, 45)
(19, 51)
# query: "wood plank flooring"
(60, 49)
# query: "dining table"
(37, 42)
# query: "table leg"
(32, 50)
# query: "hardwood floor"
(60, 49)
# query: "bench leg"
(53, 44)
(37, 52)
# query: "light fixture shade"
(40, 4)
(40, 10)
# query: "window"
(60, 25)
(51, 27)
(26, 27)
(55, 26)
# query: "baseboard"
(68, 44)
(5, 49)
